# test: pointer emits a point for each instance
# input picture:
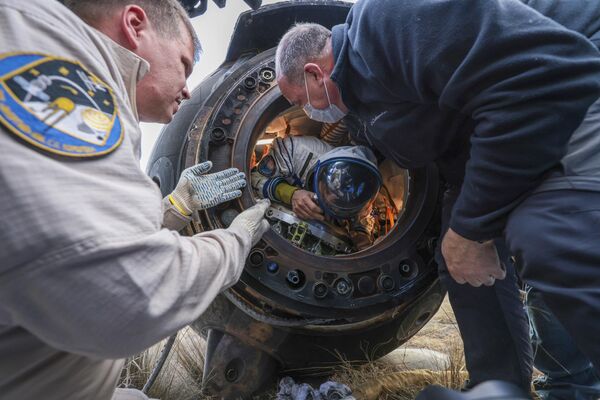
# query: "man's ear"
(313, 70)
(134, 24)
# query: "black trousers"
(568, 373)
(555, 237)
(491, 319)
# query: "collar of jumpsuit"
(131, 67)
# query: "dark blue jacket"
(432, 79)
(582, 16)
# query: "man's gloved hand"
(471, 262)
(197, 191)
(253, 220)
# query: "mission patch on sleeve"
(57, 105)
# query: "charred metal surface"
(316, 349)
(260, 30)
(298, 309)
(198, 7)
(232, 369)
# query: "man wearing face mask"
(330, 114)
(492, 92)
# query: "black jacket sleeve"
(524, 80)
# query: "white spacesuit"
(345, 180)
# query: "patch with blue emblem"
(57, 105)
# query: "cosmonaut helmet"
(345, 180)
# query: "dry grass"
(180, 378)
(396, 381)
(181, 375)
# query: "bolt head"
(343, 287)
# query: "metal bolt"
(293, 277)
(386, 282)
(320, 290)
(256, 258)
(250, 83)
(217, 135)
(267, 74)
(343, 287)
(407, 268)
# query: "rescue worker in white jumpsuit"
(296, 169)
(88, 274)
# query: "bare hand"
(303, 204)
(471, 262)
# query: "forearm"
(121, 296)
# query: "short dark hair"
(162, 13)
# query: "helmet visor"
(345, 187)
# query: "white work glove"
(253, 220)
(197, 191)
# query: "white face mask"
(328, 115)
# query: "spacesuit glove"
(197, 190)
(253, 220)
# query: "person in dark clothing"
(491, 91)
(568, 374)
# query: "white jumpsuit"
(87, 273)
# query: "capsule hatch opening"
(311, 139)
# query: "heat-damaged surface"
(306, 296)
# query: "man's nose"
(186, 93)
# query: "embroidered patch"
(57, 105)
